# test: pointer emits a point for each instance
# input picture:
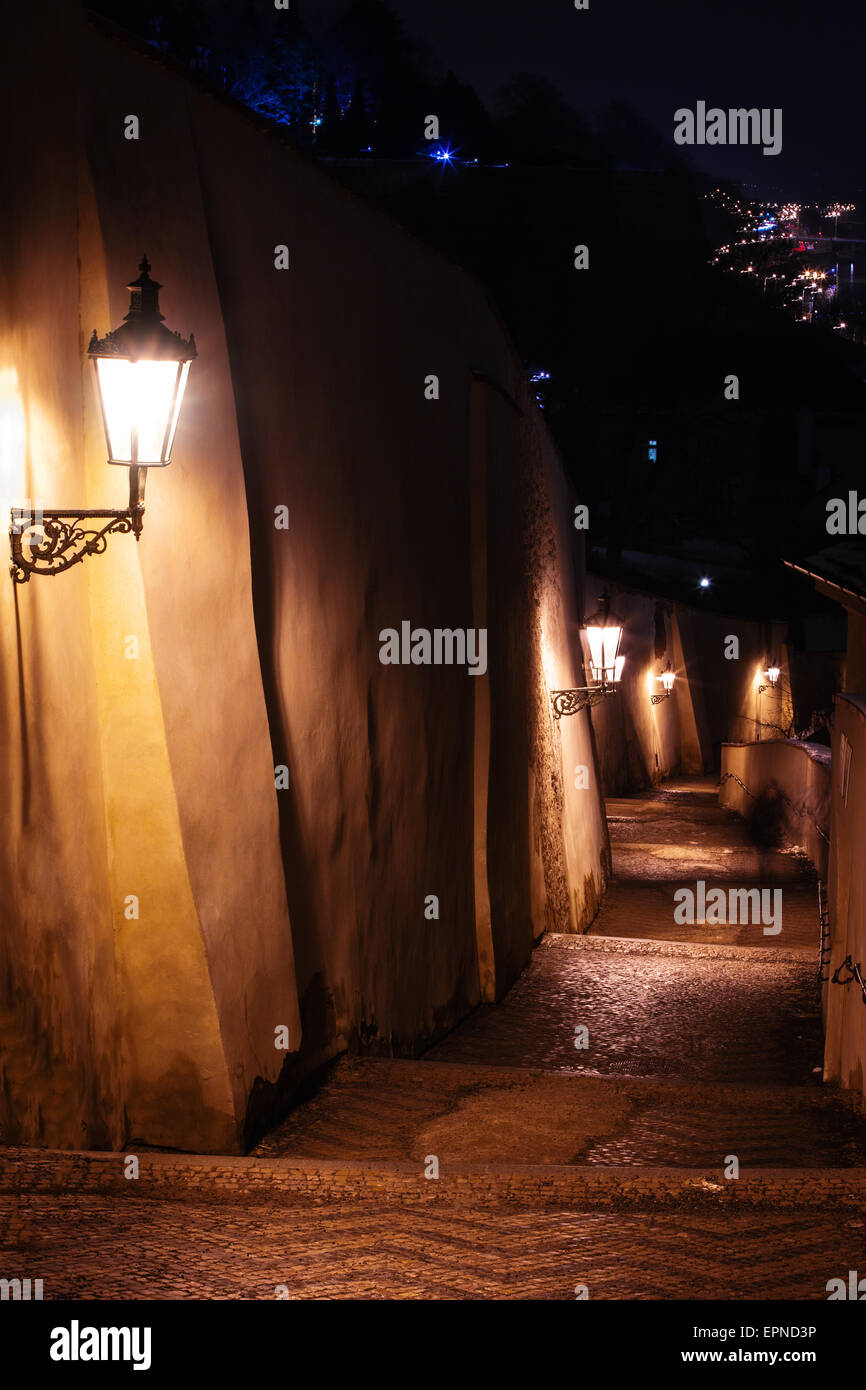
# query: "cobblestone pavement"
(600, 1165)
(98, 1248)
(379, 1110)
(670, 840)
(685, 1011)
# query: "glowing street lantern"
(772, 674)
(603, 635)
(141, 371)
(667, 678)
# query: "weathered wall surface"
(379, 481)
(146, 939)
(61, 1070)
(576, 856)
(844, 1014)
(790, 782)
(153, 777)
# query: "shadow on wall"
(320, 1037)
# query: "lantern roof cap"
(142, 333)
(603, 617)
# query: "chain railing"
(825, 949)
(799, 811)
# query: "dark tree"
(537, 126)
(399, 74)
(464, 124)
(357, 130)
(628, 141)
(330, 138)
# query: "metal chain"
(825, 948)
(854, 974)
(798, 810)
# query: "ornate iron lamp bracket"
(663, 695)
(583, 697)
(64, 539)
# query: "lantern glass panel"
(603, 646)
(181, 387)
(140, 402)
(595, 638)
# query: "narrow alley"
(605, 1165)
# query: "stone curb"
(162, 1177)
(653, 1088)
(693, 950)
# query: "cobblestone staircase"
(558, 1166)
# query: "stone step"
(376, 1109)
(29, 1176)
(644, 909)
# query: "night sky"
(638, 349)
(807, 58)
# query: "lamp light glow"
(141, 373)
(771, 675)
(667, 678)
(141, 403)
(603, 635)
(141, 370)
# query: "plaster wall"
(380, 482)
(146, 944)
(143, 783)
(845, 1016)
(61, 1071)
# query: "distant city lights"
(791, 253)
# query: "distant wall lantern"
(772, 673)
(667, 678)
(141, 371)
(603, 636)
